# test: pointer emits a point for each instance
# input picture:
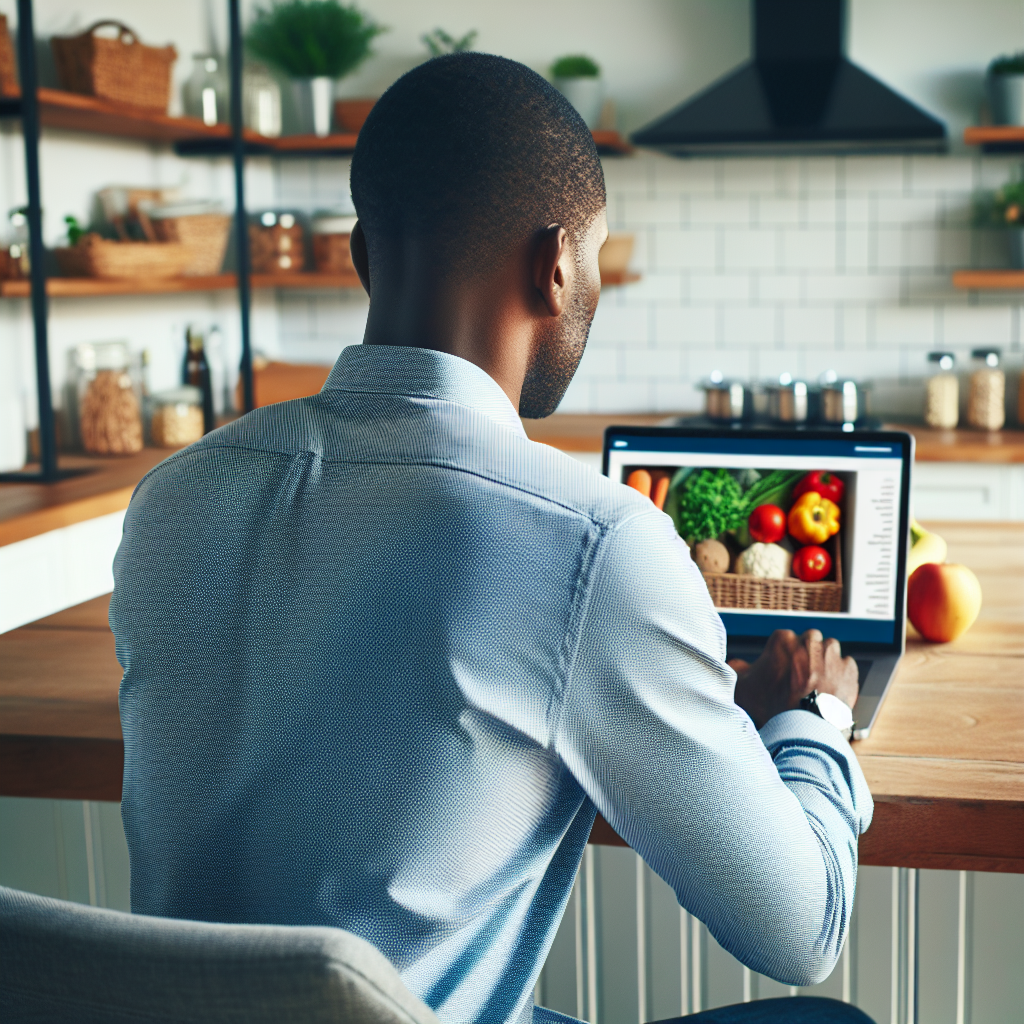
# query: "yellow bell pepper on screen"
(813, 519)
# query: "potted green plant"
(1006, 89)
(1005, 209)
(440, 42)
(578, 79)
(314, 43)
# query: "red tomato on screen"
(812, 564)
(767, 524)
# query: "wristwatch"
(828, 706)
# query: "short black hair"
(475, 152)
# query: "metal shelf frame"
(28, 112)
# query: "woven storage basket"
(94, 256)
(8, 68)
(205, 234)
(731, 590)
(121, 69)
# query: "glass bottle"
(196, 373)
(942, 392)
(986, 399)
(205, 93)
(261, 101)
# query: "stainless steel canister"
(842, 401)
(723, 400)
(787, 400)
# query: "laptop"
(860, 598)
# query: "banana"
(925, 546)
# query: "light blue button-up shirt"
(384, 656)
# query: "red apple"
(943, 601)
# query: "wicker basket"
(8, 68)
(121, 69)
(205, 234)
(731, 590)
(94, 256)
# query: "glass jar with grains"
(104, 391)
(942, 392)
(177, 417)
(277, 244)
(986, 400)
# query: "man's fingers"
(738, 665)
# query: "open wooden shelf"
(191, 137)
(84, 287)
(989, 280)
(996, 137)
(87, 287)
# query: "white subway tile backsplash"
(715, 288)
(899, 327)
(746, 327)
(750, 249)
(973, 327)
(753, 267)
(686, 248)
(809, 249)
(714, 211)
(813, 328)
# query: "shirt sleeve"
(755, 833)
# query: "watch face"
(835, 711)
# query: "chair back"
(66, 962)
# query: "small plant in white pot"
(578, 79)
(1006, 89)
(314, 43)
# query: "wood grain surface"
(945, 760)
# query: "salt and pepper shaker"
(986, 399)
(942, 395)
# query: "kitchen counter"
(29, 509)
(945, 760)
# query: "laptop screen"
(791, 531)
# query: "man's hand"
(788, 669)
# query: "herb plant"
(439, 42)
(1011, 64)
(75, 230)
(575, 66)
(312, 38)
(1004, 208)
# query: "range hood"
(799, 94)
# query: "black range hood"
(799, 94)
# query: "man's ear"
(551, 268)
(360, 257)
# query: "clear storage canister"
(942, 392)
(986, 401)
(104, 398)
(177, 417)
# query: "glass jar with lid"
(942, 392)
(205, 93)
(986, 399)
(277, 243)
(103, 396)
(176, 417)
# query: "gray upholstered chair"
(69, 963)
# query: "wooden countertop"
(945, 760)
(29, 509)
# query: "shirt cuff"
(803, 725)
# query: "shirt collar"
(423, 373)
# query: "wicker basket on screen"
(95, 256)
(205, 234)
(731, 590)
(121, 69)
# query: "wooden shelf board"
(85, 287)
(995, 135)
(611, 142)
(989, 279)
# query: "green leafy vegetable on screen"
(711, 503)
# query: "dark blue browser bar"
(719, 445)
(844, 629)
